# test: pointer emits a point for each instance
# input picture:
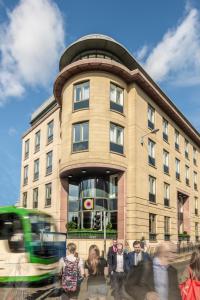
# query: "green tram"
(30, 247)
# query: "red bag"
(190, 288)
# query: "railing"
(185, 248)
(91, 234)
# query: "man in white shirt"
(117, 265)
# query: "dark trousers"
(117, 284)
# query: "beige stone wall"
(136, 207)
(99, 117)
(54, 146)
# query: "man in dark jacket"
(136, 256)
(117, 264)
(157, 279)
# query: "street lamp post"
(104, 232)
(151, 132)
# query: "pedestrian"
(156, 279)
(96, 271)
(72, 273)
(117, 263)
(112, 249)
(143, 244)
(190, 283)
(127, 247)
(136, 256)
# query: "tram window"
(11, 230)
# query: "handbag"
(190, 288)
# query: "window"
(36, 169)
(166, 194)
(48, 194)
(187, 181)
(24, 201)
(196, 207)
(177, 166)
(25, 175)
(152, 227)
(50, 132)
(165, 130)
(176, 140)
(166, 228)
(151, 152)
(166, 162)
(81, 95)
(116, 98)
(37, 141)
(35, 198)
(152, 189)
(197, 231)
(49, 158)
(151, 117)
(116, 138)
(195, 180)
(195, 156)
(186, 149)
(80, 136)
(26, 152)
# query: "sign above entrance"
(88, 204)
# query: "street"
(53, 291)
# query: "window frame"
(50, 137)
(151, 117)
(26, 151)
(165, 130)
(48, 201)
(25, 178)
(49, 168)
(151, 152)
(152, 189)
(114, 145)
(82, 144)
(35, 194)
(114, 104)
(36, 167)
(82, 103)
(37, 145)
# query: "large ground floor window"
(90, 201)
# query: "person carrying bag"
(190, 287)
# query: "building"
(111, 147)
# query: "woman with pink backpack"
(190, 287)
(72, 273)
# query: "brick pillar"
(186, 216)
(63, 204)
(121, 208)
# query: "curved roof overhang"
(97, 42)
(90, 169)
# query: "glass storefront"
(90, 199)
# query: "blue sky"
(163, 35)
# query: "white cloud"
(141, 53)
(12, 131)
(176, 58)
(30, 44)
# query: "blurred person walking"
(155, 279)
(117, 264)
(190, 286)
(95, 271)
(72, 273)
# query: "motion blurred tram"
(30, 246)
